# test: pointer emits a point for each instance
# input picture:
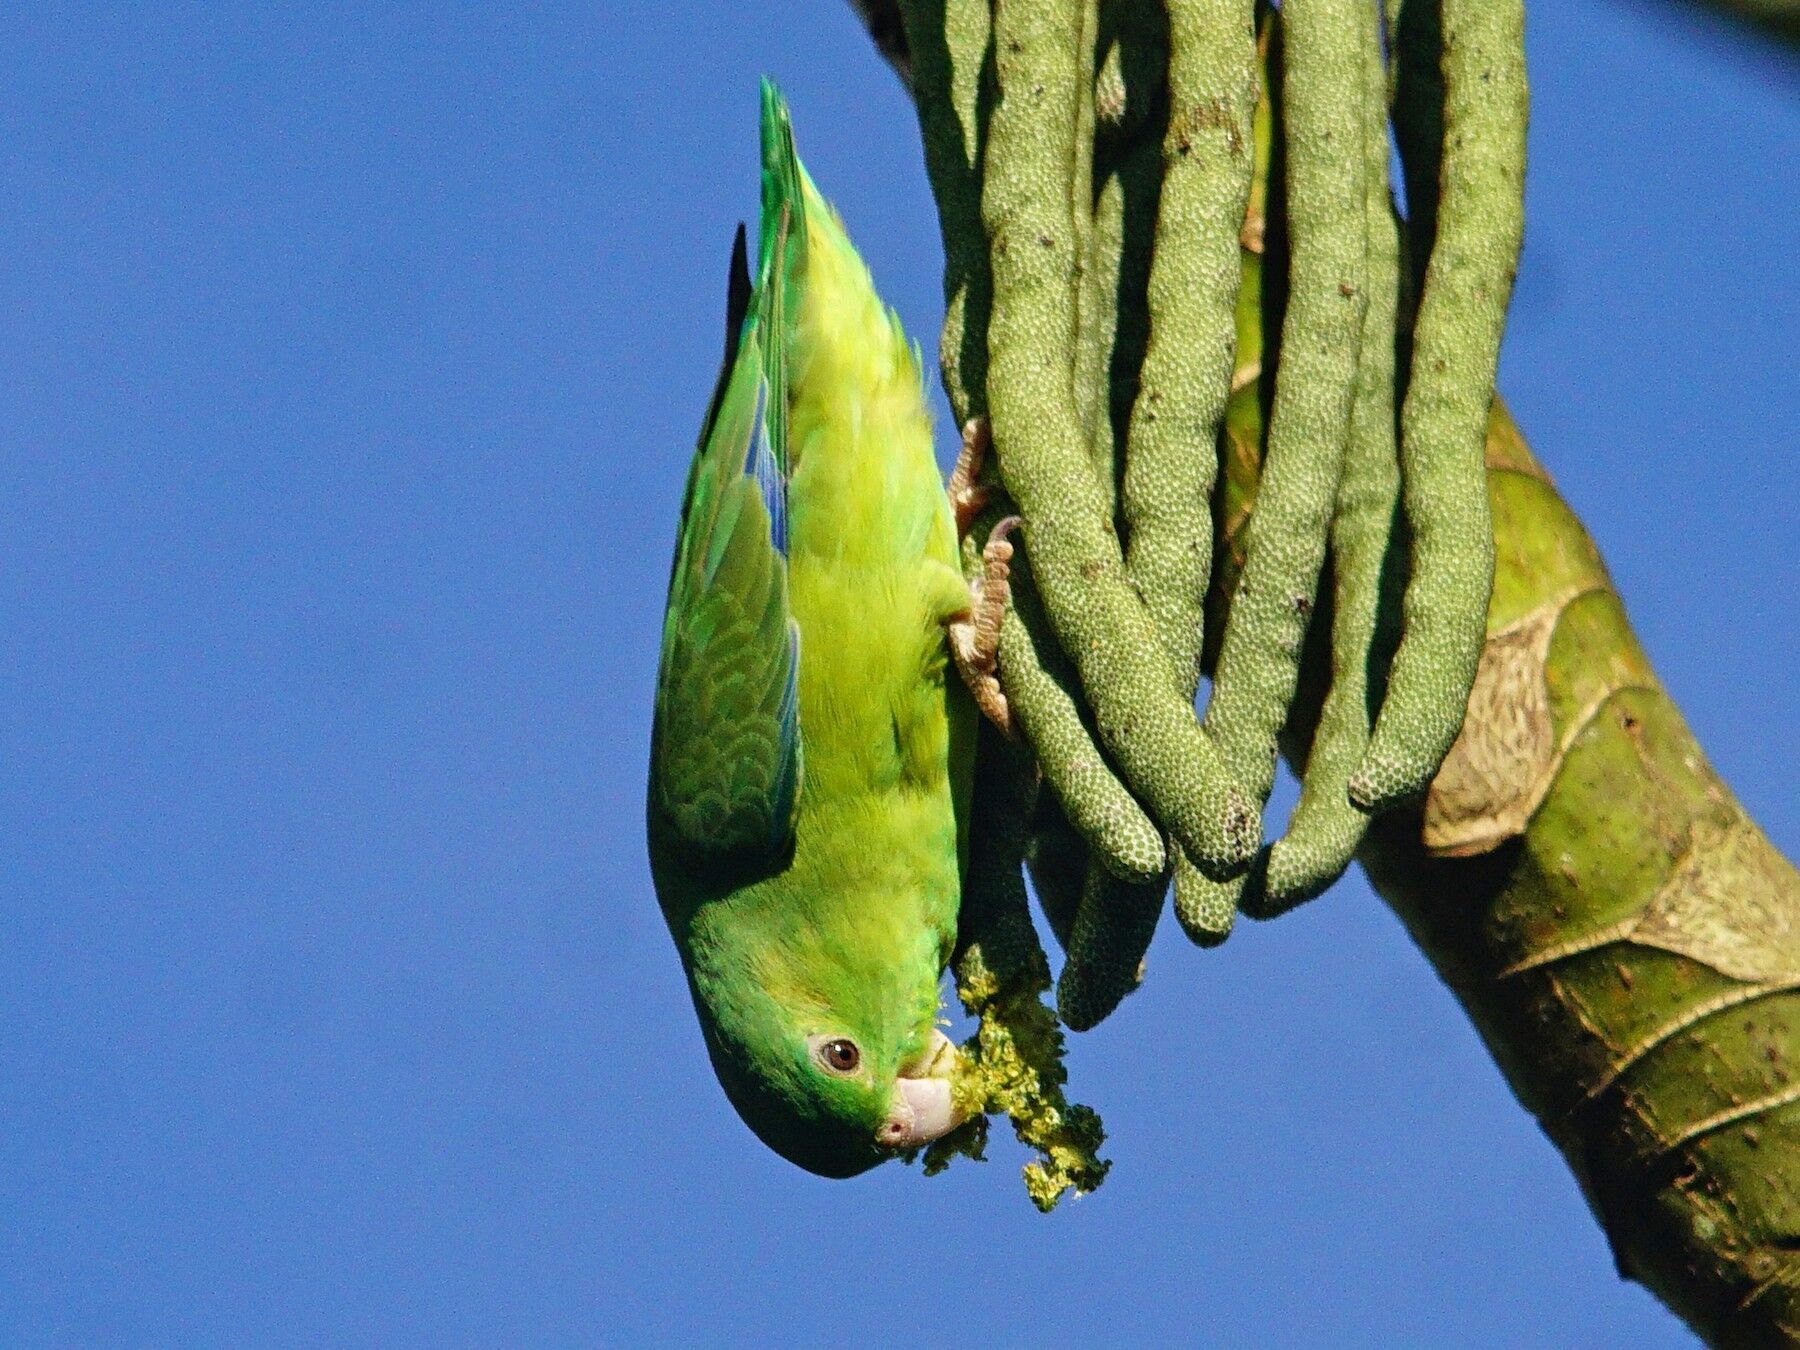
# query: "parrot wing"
(725, 759)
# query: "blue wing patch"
(771, 480)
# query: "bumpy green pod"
(1261, 295)
(947, 42)
(1456, 346)
(1083, 182)
(1259, 660)
(1113, 928)
(1131, 91)
(1206, 909)
(1325, 828)
(1094, 801)
(1112, 304)
(1057, 859)
(1415, 35)
(1170, 454)
(1144, 722)
(993, 921)
(1099, 315)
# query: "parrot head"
(836, 1065)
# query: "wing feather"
(725, 761)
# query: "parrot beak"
(923, 1108)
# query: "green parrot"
(810, 759)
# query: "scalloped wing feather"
(725, 748)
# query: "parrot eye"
(840, 1055)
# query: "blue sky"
(350, 363)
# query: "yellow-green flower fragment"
(1013, 1064)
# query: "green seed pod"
(1093, 315)
(1113, 928)
(1321, 332)
(1098, 328)
(995, 915)
(1143, 720)
(1057, 859)
(947, 42)
(1170, 450)
(1102, 811)
(1456, 346)
(1206, 909)
(1325, 828)
(1171, 453)
(1131, 108)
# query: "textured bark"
(1624, 937)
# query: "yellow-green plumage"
(829, 912)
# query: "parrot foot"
(975, 637)
(967, 494)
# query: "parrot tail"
(784, 204)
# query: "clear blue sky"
(350, 360)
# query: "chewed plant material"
(1013, 1066)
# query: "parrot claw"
(975, 637)
(967, 494)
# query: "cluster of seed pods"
(1132, 194)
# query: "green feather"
(725, 751)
